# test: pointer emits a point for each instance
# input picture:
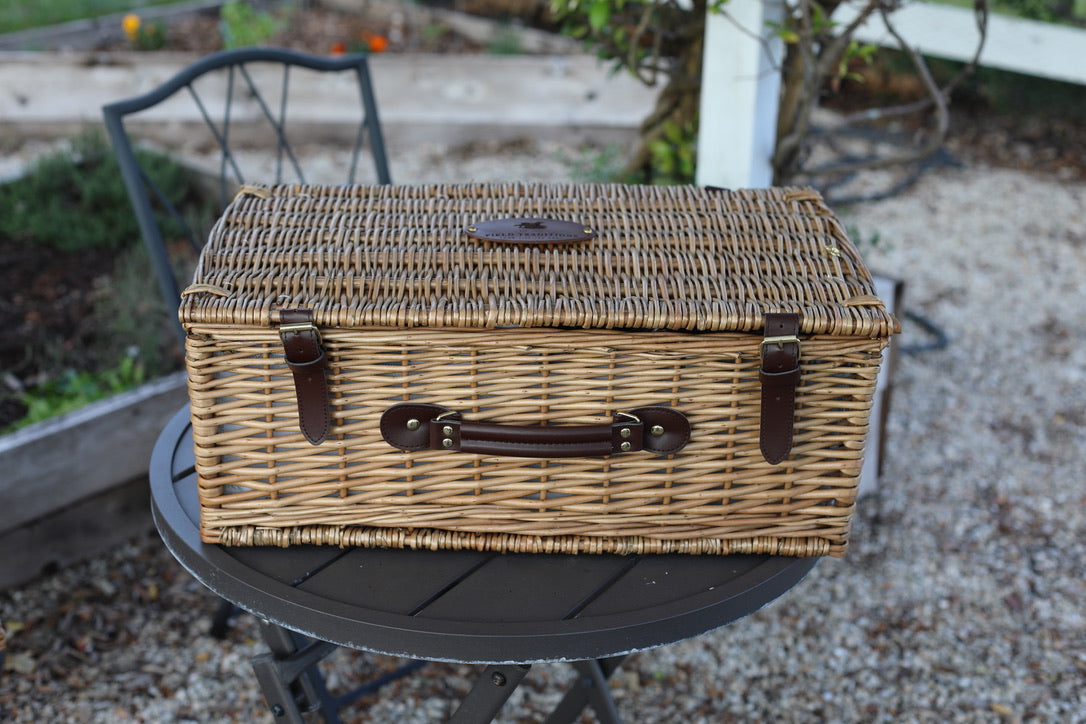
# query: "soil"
(50, 306)
(52, 296)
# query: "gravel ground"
(960, 599)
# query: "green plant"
(674, 153)
(867, 243)
(144, 36)
(241, 25)
(596, 165)
(655, 40)
(432, 34)
(74, 199)
(129, 312)
(506, 41)
(1070, 12)
(73, 389)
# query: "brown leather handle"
(659, 430)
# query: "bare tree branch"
(937, 99)
(871, 115)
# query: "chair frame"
(140, 188)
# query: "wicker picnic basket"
(528, 367)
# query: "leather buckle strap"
(779, 375)
(305, 357)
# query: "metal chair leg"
(489, 694)
(288, 677)
(590, 689)
(292, 684)
(220, 622)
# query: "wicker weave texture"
(679, 258)
(665, 307)
(262, 483)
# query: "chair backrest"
(242, 107)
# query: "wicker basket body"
(665, 306)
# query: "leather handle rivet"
(625, 447)
(625, 432)
(446, 443)
(473, 229)
(657, 430)
(413, 424)
(447, 431)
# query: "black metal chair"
(242, 99)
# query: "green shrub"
(241, 25)
(75, 199)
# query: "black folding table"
(503, 610)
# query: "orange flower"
(338, 48)
(130, 23)
(376, 43)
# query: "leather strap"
(779, 375)
(305, 357)
(412, 427)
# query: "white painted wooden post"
(740, 90)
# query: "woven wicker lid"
(663, 257)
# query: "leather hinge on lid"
(779, 374)
(305, 357)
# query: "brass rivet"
(447, 431)
(625, 432)
(413, 424)
(625, 447)
(587, 230)
(473, 229)
(657, 430)
(446, 443)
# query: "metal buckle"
(299, 328)
(787, 339)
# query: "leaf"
(784, 32)
(599, 14)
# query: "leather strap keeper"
(779, 375)
(305, 357)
